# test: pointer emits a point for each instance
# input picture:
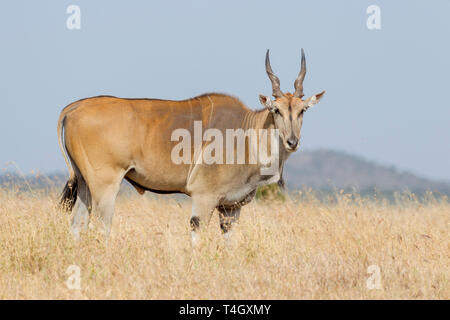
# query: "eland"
(105, 139)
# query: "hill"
(326, 169)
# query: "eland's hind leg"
(104, 189)
(81, 210)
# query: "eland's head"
(288, 108)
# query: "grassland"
(301, 248)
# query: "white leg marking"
(194, 239)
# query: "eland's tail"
(69, 194)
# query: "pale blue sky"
(387, 90)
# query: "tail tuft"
(69, 195)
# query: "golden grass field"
(295, 249)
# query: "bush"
(270, 192)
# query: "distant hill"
(323, 170)
(15, 181)
(326, 169)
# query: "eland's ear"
(267, 103)
(314, 99)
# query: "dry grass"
(293, 250)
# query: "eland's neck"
(263, 119)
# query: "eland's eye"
(277, 111)
(301, 113)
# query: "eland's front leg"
(202, 209)
(228, 216)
